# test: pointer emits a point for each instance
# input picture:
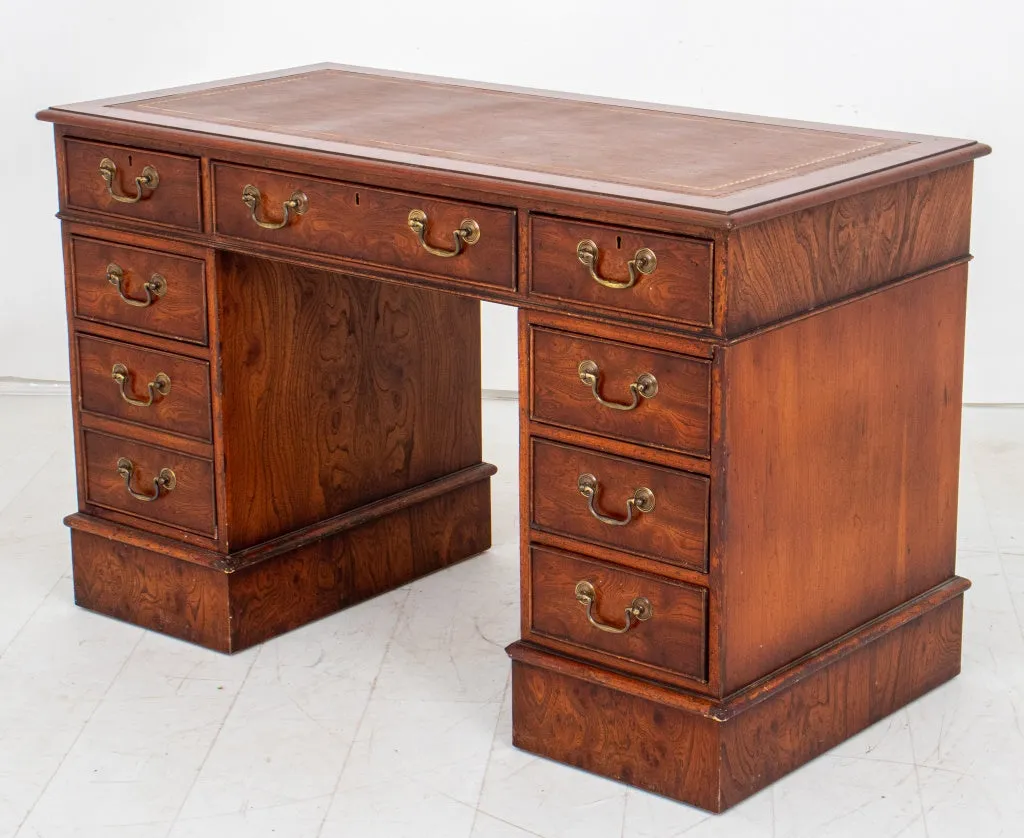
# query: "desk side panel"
(840, 464)
(807, 259)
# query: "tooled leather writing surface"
(646, 147)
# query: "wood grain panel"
(151, 589)
(338, 392)
(674, 638)
(840, 485)
(616, 735)
(677, 417)
(679, 289)
(793, 726)
(184, 410)
(369, 225)
(180, 313)
(800, 261)
(189, 505)
(174, 202)
(674, 532)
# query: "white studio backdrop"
(946, 67)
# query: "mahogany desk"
(740, 347)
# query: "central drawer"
(629, 505)
(450, 239)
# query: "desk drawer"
(144, 185)
(145, 290)
(168, 392)
(677, 285)
(572, 596)
(370, 225)
(184, 500)
(666, 510)
(622, 391)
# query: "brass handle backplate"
(468, 233)
(165, 481)
(161, 385)
(643, 262)
(298, 203)
(645, 386)
(642, 501)
(639, 610)
(155, 287)
(149, 179)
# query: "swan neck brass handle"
(297, 204)
(642, 501)
(161, 385)
(468, 233)
(149, 179)
(643, 262)
(645, 386)
(155, 287)
(164, 482)
(638, 611)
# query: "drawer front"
(168, 392)
(188, 505)
(145, 290)
(678, 288)
(666, 620)
(371, 225)
(173, 199)
(621, 391)
(673, 529)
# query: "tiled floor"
(392, 718)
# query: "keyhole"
(618, 242)
(129, 160)
(357, 199)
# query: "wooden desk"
(741, 347)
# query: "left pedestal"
(260, 444)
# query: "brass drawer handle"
(639, 610)
(642, 501)
(165, 481)
(645, 386)
(149, 179)
(156, 286)
(161, 385)
(298, 203)
(643, 262)
(468, 233)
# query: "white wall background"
(948, 67)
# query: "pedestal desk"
(740, 345)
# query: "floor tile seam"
(505, 821)
(213, 742)
(78, 736)
(366, 709)
(490, 751)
